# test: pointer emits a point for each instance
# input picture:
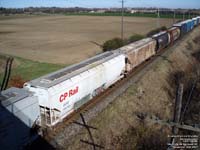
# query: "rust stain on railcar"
(138, 52)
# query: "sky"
(100, 3)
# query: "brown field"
(65, 39)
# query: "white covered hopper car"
(64, 91)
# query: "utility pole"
(183, 16)
(189, 15)
(158, 19)
(174, 16)
(122, 21)
(177, 110)
(178, 106)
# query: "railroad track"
(50, 133)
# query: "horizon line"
(93, 7)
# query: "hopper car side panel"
(90, 84)
(67, 96)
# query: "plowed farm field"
(66, 39)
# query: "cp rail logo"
(70, 93)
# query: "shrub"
(163, 28)
(113, 44)
(17, 81)
(196, 40)
(135, 38)
(116, 43)
(196, 55)
(179, 21)
(152, 32)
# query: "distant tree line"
(49, 10)
(57, 10)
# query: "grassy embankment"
(27, 69)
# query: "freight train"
(49, 99)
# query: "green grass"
(28, 69)
(20, 16)
(151, 15)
